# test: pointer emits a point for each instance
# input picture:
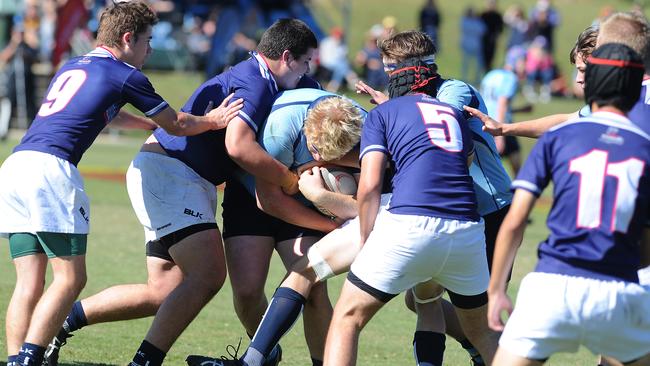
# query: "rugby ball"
(338, 180)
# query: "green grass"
(116, 252)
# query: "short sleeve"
(373, 134)
(258, 99)
(139, 92)
(535, 175)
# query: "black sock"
(283, 311)
(76, 319)
(429, 348)
(11, 359)
(149, 355)
(30, 354)
(473, 352)
(315, 362)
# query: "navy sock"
(282, 313)
(473, 352)
(149, 355)
(428, 348)
(11, 359)
(315, 362)
(76, 319)
(30, 354)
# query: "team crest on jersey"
(84, 61)
(612, 137)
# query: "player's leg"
(201, 259)
(31, 264)
(503, 357)
(429, 337)
(317, 306)
(68, 261)
(353, 311)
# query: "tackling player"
(431, 212)
(585, 289)
(185, 257)
(306, 127)
(43, 205)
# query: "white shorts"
(404, 250)
(40, 192)
(167, 195)
(557, 313)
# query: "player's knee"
(318, 296)
(318, 265)
(408, 300)
(248, 295)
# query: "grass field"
(116, 252)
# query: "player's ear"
(286, 57)
(127, 38)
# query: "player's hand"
(497, 304)
(376, 96)
(311, 184)
(491, 126)
(290, 184)
(225, 112)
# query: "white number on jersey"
(442, 126)
(63, 90)
(593, 167)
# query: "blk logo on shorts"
(83, 213)
(190, 212)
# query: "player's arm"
(531, 128)
(508, 241)
(311, 186)
(185, 124)
(244, 149)
(373, 165)
(272, 200)
(502, 108)
(128, 120)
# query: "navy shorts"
(241, 216)
(512, 146)
(493, 222)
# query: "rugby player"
(44, 208)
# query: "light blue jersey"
(281, 134)
(491, 182)
(496, 84)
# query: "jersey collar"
(101, 52)
(264, 70)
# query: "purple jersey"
(83, 97)
(206, 153)
(600, 167)
(429, 142)
(640, 113)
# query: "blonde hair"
(629, 29)
(333, 126)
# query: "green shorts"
(52, 244)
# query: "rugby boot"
(51, 357)
(196, 360)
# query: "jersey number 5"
(442, 126)
(63, 89)
(593, 167)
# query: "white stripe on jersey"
(372, 148)
(532, 187)
(607, 119)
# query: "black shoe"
(477, 361)
(51, 357)
(275, 357)
(196, 360)
(232, 360)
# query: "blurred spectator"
(333, 56)
(604, 12)
(430, 21)
(390, 26)
(494, 26)
(17, 58)
(515, 19)
(472, 30)
(544, 19)
(8, 8)
(369, 60)
(71, 15)
(539, 67)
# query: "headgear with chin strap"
(413, 75)
(613, 76)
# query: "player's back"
(429, 143)
(600, 167)
(83, 97)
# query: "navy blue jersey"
(640, 113)
(206, 152)
(83, 97)
(600, 167)
(429, 142)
